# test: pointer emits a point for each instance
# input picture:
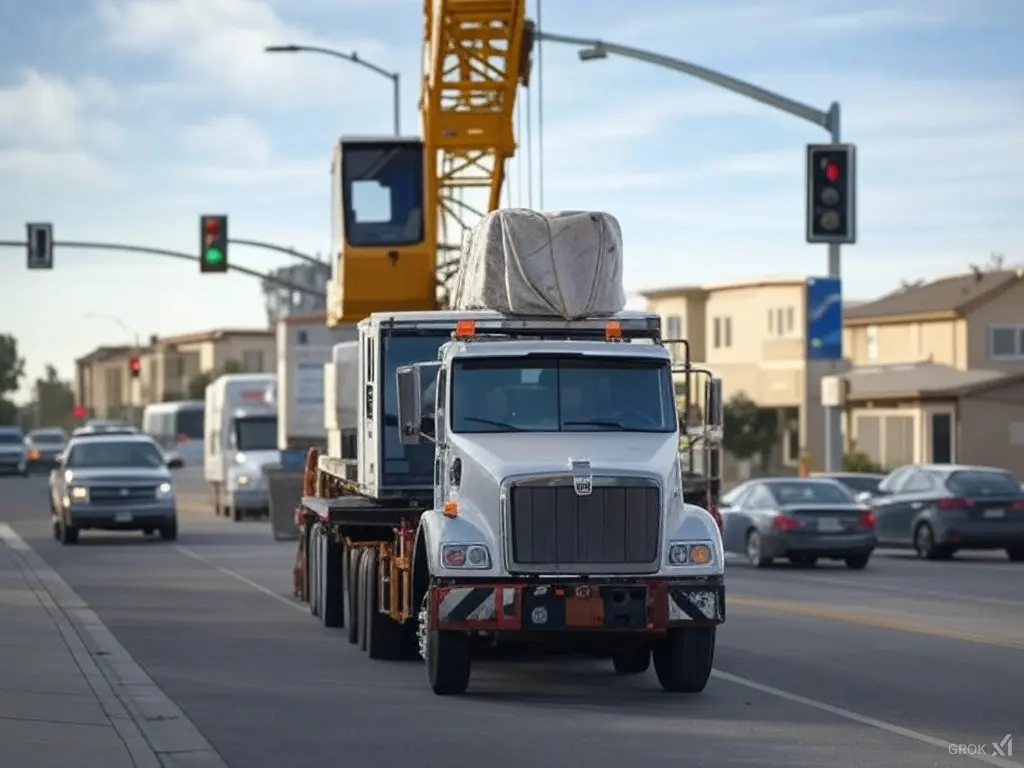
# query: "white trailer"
(240, 438)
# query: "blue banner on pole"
(824, 318)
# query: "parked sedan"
(801, 519)
(858, 482)
(112, 483)
(13, 452)
(941, 509)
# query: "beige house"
(939, 372)
(107, 390)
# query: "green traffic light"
(214, 256)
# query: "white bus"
(177, 428)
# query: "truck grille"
(122, 494)
(616, 529)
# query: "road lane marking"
(154, 729)
(866, 620)
(856, 717)
(244, 579)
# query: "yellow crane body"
(391, 196)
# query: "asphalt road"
(823, 667)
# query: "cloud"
(217, 46)
(44, 110)
(230, 139)
(46, 170)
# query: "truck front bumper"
(642, 605)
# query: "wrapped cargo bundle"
(565, 264)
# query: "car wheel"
(169, 532)
(858, 562)
(925, 546)
(1016, 554)
(68, 534)
(755, 554)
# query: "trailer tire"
(683, 659)
(448, 660)
(352, 618)
(385, 638)
(313, 570)
(361, 591)
(632, 661)
(332, 594)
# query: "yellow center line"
(867, 620)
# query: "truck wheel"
(352, 617)
(313, 570)
(633, 661)
(68, 534)
(386, 639)
(361, 588)
(447, 656)
(332, 593)
(683, 659)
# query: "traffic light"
(79, 412)
(134, 366)
(213, 238)
(40, 245)
(831, 193)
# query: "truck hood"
(118, 475)
(498, 456)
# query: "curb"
(154, 729)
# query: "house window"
(1006, 342)
(771, 322)
(252, 360)
(872, 342)
(674, 332)
(717, 341)
(727, 328)
(789, 320)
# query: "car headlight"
(164, 490)
(690, 553)
(242, 479)
(79, 493)
(239, 458)
(467, 556)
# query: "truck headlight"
(242, 479)
(164, 490)
(467, 556)
(689, 553)
(79, 493)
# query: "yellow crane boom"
(393, 195)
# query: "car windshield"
(809, 492)
(256, 433)
(11, 438)
(115, 453)
(562, 394)
(48, 436)
(983, 483)
(860, 483)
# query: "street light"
(116, 321)
(354, 58)
(592, 50)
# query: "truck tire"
(683, 659)
(361, 591)
(632, 661)
(332, 583)
(386, 639)
(352, 617)
(313, 570)
(447, 657)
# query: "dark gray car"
(13, 451)
(941, 509)
(112, 483)
(45, 447)
(801, 519)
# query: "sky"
(124, 120)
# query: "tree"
(749, 430)
(12, 369)
(54, 399)
(197, 384)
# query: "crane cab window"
(382, 194)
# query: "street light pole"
(135, 384)
(353, 57)
(592, 49)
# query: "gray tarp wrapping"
(566, 264)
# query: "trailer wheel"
(313, 570)
(447, 656)
(332, 595)
(386, 639)
(683, 659)
(352, 618)
(632, 661)
(361, 591)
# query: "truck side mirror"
(409, 405)
(714, 409)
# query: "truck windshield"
(407, 465)
(562, 394)
(256, 433)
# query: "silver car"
(13, 451)
(115, 482)
(44, 447)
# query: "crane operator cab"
(383, 229)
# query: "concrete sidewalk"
(56, 708)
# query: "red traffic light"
(212, 226)
(832, 172)
(78, 412)
(135, 365)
